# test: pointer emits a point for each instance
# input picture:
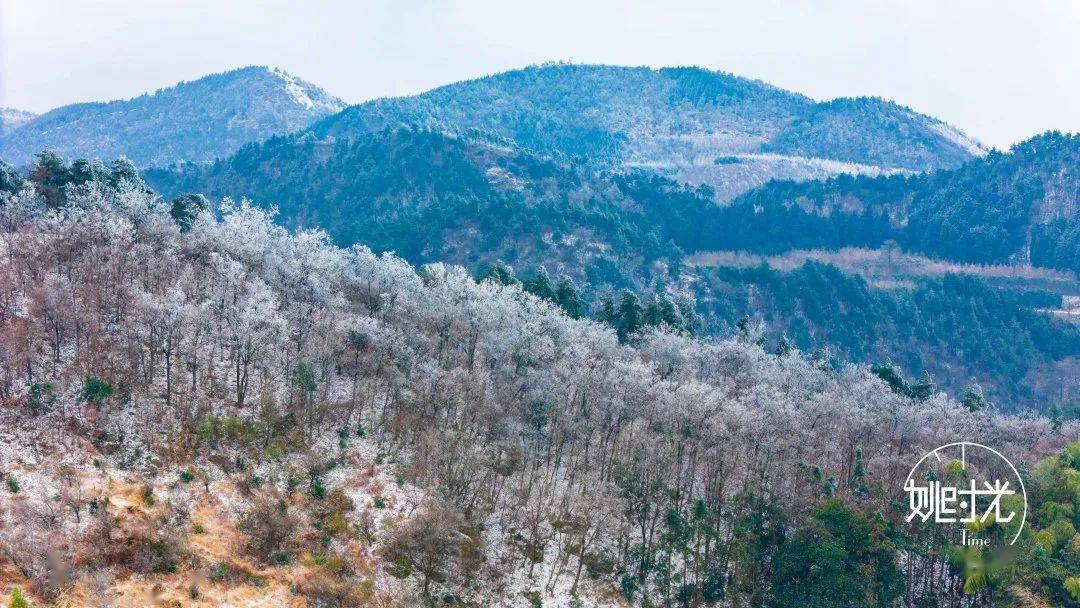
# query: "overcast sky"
(1000, 70)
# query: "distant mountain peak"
(680, 121)
(13, 118)
(197, 120)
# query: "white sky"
(1002, 70)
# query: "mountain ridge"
(685, 121)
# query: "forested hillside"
(1020, 206)
(693, 124)
(473, 199)
(1015, 207)
(193, 121)
(201, 407)
(429, 196)
(957, 330)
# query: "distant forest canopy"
(956, 328)
(1020, 206)
(416, 191)
(423, 195)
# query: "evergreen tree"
(974, 399)
(540, 285)
(10, 180)
(568, 297)
(500, 272)
(123, 171)
(893, 377)
(605, 313)
(185, 208)
(923, 388)
(689, 316)
(841, 558)
(629, 316)
(49, 175)
(662, 311)
(83, 171)
(783, 345)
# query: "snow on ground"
(297, 89)
(35, 454)
(951, 133)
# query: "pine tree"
(500, 272)
(568, 297)
(85, 171)
(186, 208)
(893, 377)
(630, 315)
(605, 313)
(10, 180)
(540, 285)
(784, 346)
(974, 399)
(123, 171)
(689, 315)
(923, 388)
(49, 176)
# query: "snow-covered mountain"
(193, 121)
(696, 125)
(13, 118)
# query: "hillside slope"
(202, 409)
(192, 121)
(468, 200)
(696, 125)
(431, 196)
(1020, 207)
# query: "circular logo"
(969, 485)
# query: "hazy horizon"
(1000, 72)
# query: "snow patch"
(294, 89)
(951, 133)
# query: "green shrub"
(96, 390)
(1072, 585)
(318, 490)
(17, 599)
(41, 396)
(219, 572)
